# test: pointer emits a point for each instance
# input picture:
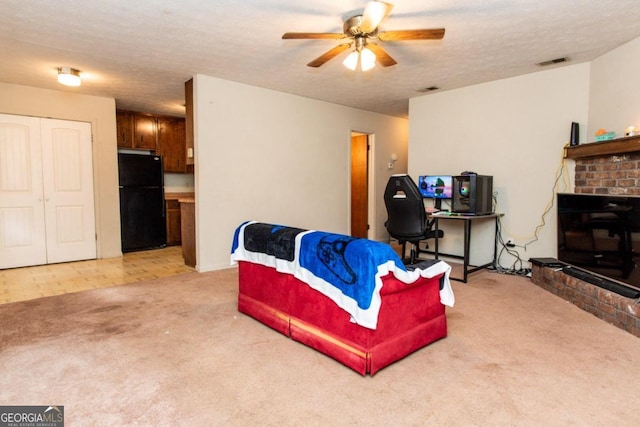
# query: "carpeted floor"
(175, 351)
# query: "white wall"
(615, 90)
(273, 157)
(101, 113)
(513, 129)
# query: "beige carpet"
(175, 351)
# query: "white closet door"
(47, 211)
(22, 225)
(68, 190)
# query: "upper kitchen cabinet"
(165, 135)
(189, 144)
(136, 130)
(124, 125)
(171, 143)
(145, 132)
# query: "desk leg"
(436, 242)
(467, 248)
(495, 246)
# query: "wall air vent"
(553, 61)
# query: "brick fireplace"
(610, 167)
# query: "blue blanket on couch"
(347, 270)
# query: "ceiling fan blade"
(332, 36)
(374, 13)
(330, 54)
(381, 55)
(434, 34)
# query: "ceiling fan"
(362, 29)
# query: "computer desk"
(468, 220)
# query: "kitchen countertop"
(177, 196)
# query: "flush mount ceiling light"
(69, 76)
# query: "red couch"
(411, 315)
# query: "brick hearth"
(609, 306)
(611, 167)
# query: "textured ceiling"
(141, 52)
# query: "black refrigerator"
(142, 205)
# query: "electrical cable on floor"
(517, 268)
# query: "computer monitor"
(436, 187)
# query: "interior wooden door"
(67, 167)
(22, 226)
(359, 185)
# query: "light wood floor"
(20, 284)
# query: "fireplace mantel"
(612, 147)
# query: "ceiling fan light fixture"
(69, 76)
(351, 61)
(367, 59)
(361, 31)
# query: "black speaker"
(472, 194)
(575, 134)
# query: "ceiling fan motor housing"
(351, 27)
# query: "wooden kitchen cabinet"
(171, 143)
(165, 135)
(188, 219)
(174, 235)
(124, 126)
(189, 138)
(136, 130)
(145, 132)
